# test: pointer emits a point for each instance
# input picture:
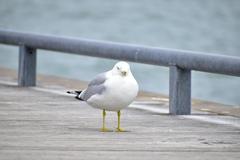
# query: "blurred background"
(200, 25)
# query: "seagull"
(113, 90)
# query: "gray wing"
(98, 80)
(95, 86)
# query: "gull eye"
(118, 67)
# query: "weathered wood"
(27, 66)
(180, 91)
(43, 125)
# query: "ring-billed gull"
(113, 90)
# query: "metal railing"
(180, 62)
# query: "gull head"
(121, 68)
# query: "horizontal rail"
(228, 65)
(180, 62)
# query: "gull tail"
(77, 94)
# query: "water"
(206, 25)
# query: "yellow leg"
(104, 129)
(119, 129)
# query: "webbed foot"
(105, 130)
(120, 130)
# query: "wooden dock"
(38, 123)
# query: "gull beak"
(124, 73)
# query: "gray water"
(199, 25)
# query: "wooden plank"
(42, 125)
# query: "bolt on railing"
(180, 62)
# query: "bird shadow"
(96, 130)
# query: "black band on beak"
(124, 73)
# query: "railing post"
(27, 66)
(180, 91)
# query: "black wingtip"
(77, 93)
(79, 98)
